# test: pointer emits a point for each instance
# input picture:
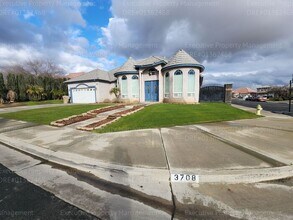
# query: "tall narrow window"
(134, 86)
(191, 83)
(124, 89)
(178, 84)
(167, 85)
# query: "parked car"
(250, 98)
(262, 99)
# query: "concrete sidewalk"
(22, 108)
(237, 153)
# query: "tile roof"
(128, 66)
(74, 75)
(150, 60)
(244, 91)
(96, 74)
(180, 58)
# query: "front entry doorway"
(151, 91)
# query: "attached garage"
(83, 95)
(91, 87)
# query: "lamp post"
(290, 92)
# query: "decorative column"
(140, 85)
(161, 83)
(228, 93)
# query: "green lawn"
(167, 115)
(47, 115)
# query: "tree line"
(35, 81)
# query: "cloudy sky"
(245, 42)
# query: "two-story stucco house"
(153, 79)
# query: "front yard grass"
(47, 115)
(167, 115)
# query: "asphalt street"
(268, 106)
(20, 199)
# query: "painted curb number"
(190, 178)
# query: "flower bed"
(72, 119)
(106, 109)
(85, 116)
(110, 119)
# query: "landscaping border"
(111, 118)
(84, 116)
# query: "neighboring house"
(74, 75)
(243, 92)
(264, 91)
(153, 79)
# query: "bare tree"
(44, 67)
(35, 67)
(15, 69)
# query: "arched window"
(178, 84)
(167, 85)
(191, 83)
(124, 89)
(134, 86)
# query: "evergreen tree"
(11, 82)
(22, 87)
(2, 87)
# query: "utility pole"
(290, 93)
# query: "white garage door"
(84, 95)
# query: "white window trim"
(166, 94)
(191, 94)
(177, 95)
(135, 95)
(124, 95)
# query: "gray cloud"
(245, 33)
(54, 36)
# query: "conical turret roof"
(183, 59)
(127, 67)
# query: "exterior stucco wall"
(184, 98)
(104, 92)
(103, 88)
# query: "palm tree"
(115, 91)
(35, 92)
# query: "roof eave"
(201, 67)
(125, 73)
(89, 80)
(150, 65)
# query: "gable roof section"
(94, 75)
(182, 58)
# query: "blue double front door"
(151, 91)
